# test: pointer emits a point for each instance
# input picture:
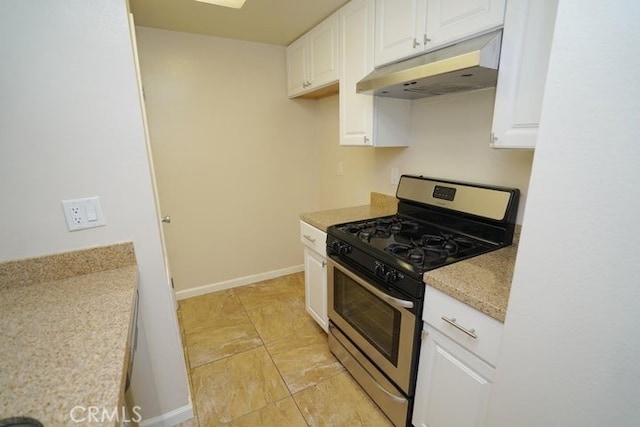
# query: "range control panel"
(444, 193)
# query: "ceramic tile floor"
(256, 358)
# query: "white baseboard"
(170, 419)
(234, 283)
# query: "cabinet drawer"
(487, 330)
(313, 238)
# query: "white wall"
(70, 126)
(235, 159)
(449, 138)
(571, 342)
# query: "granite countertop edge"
(380, 205)
(65, 342)
(482, 282)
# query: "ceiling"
(265, 21)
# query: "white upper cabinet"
(365, 120)
(312, 60)
(526, 45)
(400, 29)
(406, 28)
(356, 61)
(452, 20)
(297, 67)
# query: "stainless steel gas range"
(375, 269)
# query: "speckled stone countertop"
(380, 205)
(483, 282)
(64, 333)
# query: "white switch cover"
(83, 213)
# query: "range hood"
(465, 66)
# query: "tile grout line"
(290, 394)
(274, 364)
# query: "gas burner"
(445, 243)
(381, 228)
(354, 228)
(431, 249)
(416, 254)
(367, 234)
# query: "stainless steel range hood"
(466, 66)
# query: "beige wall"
(449, 139)
(236, 160)
(358, 163)
(232, 151)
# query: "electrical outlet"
(395, 176)
(76, 217)
(83, 213)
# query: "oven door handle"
(396, 302)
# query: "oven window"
(375, 320)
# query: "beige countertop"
(381, 205)
(64, 340)
(482, 282)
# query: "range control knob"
(340, 247)
(391, 276)
(344, 249)
(379, 269)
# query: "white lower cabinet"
(315, 273)
(315, 287)
(460, 346)
(453, 384)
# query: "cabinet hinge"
(172, 287)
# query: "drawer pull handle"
(452, 322)
(309, 238)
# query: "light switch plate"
(83, 213)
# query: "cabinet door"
(453, 385)
(315, 283)
(526, 45)
(356, 61)
(452, 20)
(297, 67)
(399, 29)
(323, 53)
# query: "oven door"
(380, 322)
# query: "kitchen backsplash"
(449, 138)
